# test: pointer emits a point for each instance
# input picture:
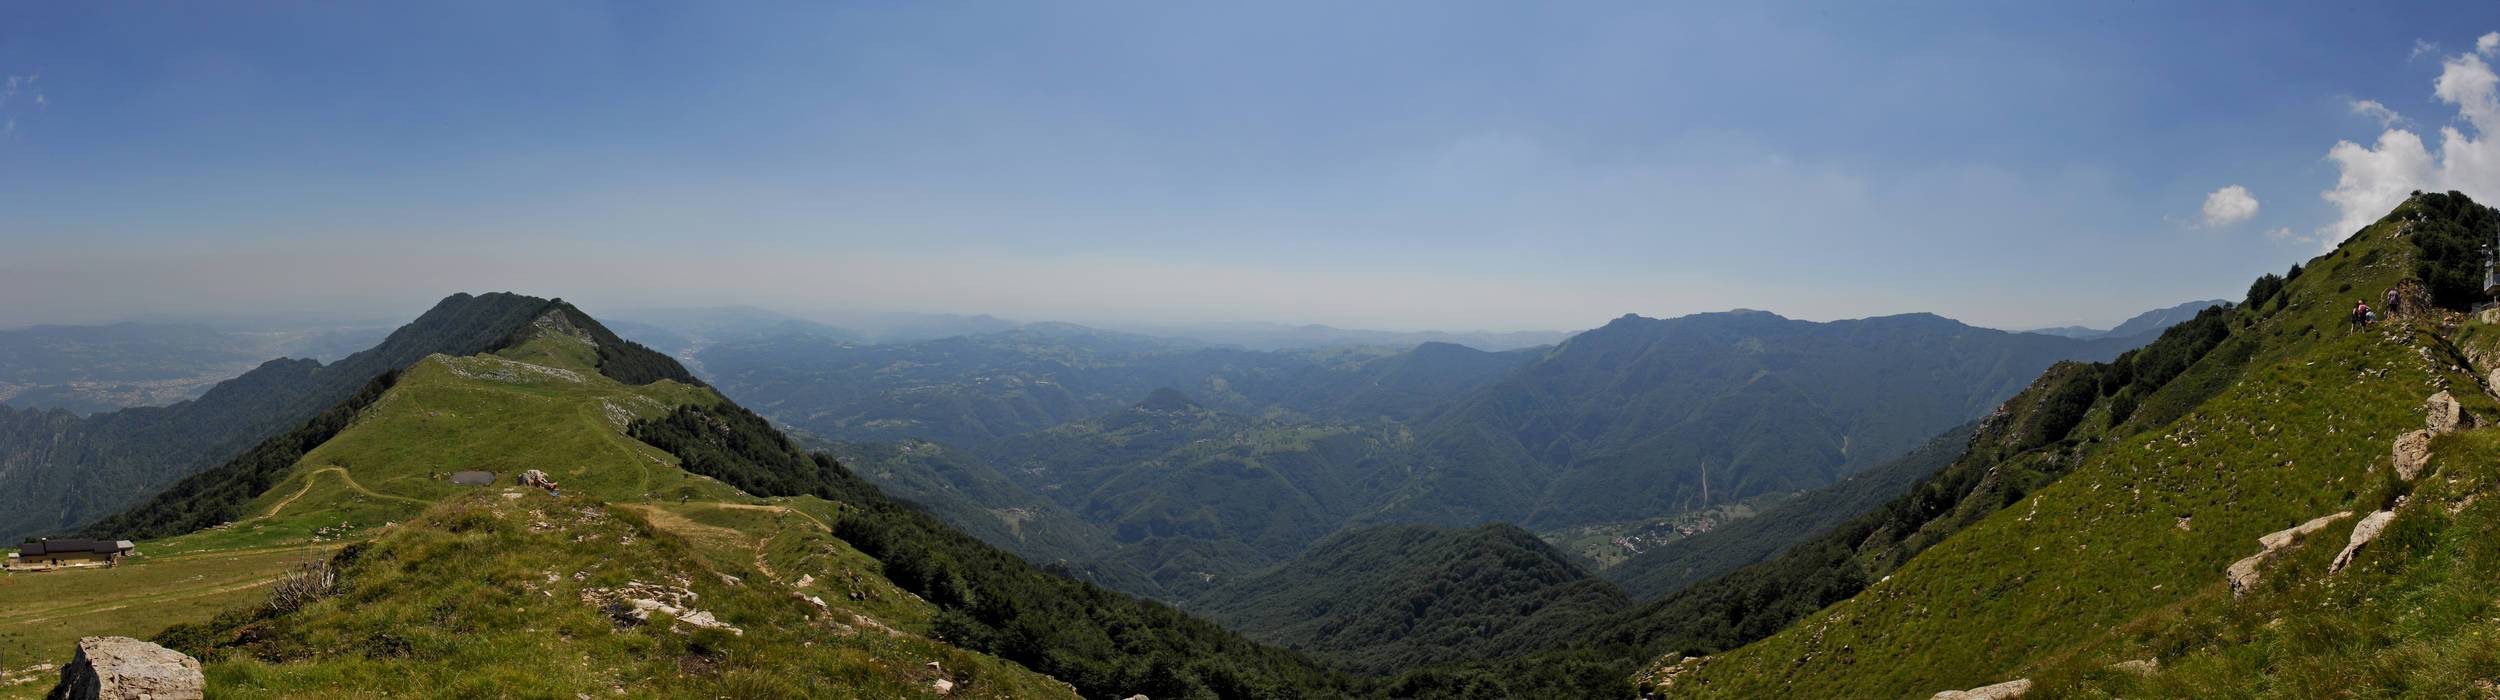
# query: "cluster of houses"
(52, 553)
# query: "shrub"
(301, 585)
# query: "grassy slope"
(486, 596)
(2276, 431)
(2413, 617)
(441, 583)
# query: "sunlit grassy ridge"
(2282, 422)
(469, 591)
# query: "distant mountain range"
(676, 330)
(1644, 417)
(1278, 336)
(1167, 468)
(2153, 320)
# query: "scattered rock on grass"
(2244, 574)
(2412, 451)
(637, 601)
(2362, 532)
(2445, 415)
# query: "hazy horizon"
(1392, 166)
(232, 321)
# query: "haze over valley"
(1400, 350)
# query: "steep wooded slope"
(1388, 599)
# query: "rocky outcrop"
(1661, 677)
(2444, 415)
(121, 668)
(2001, 691)
(2413, 450)
(556, 322)
(2362, 533)
(2245, 574)
(636, 601)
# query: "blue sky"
(1385, 165)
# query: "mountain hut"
(48, 553)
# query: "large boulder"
(121, 668)
(2444, 415)
(2412, 451)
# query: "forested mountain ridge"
(58, 471)
(2093, 548)
(1650, 416)
(1391, 598)
(965, 391)
(1169, 471)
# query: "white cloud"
(2375, 178)
(2421, 46)
(2465, 81)
(2279, 234)
(2387, 118)
(13, 89)
(2229, 205)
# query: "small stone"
(942, 686)
(2141, 667)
